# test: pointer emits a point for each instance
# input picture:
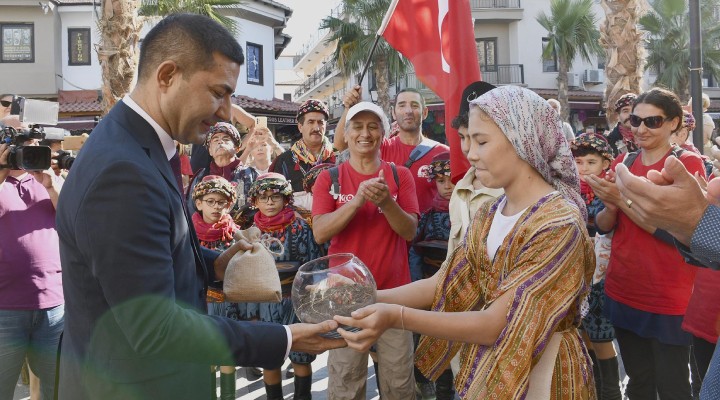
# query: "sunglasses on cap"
(5, 103)
(650, 122)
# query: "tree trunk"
(622, 40)
(563, 69)
(383, 86)
(119, 32)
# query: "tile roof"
(88, 101)
(275, 105)
(572, 94)
(79, 101)
(77, 2)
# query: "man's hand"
(306, 337)
(13, 121)
(671, 200)
(224, 258)
(352, 97)
(44, 177)
(4, 154)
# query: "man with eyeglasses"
(6, 118)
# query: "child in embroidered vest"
(214, 196)
(272, 195)
(593, 156)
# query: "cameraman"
(31, 297)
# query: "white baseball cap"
(371, 107)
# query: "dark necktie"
(175, 165)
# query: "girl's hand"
(374, 320)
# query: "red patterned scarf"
(440, 203)
(586, 191)
(226, 171)
(220, 231)
(276, 223)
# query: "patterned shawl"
(534, 129)
(302, 154)
(547, 260)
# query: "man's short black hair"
(461, 121)
(188, 39)
(410, 90)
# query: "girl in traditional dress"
(272, 195)
(509, 298)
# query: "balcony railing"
(503, 74)
(494, 4)
(315, 79)
(315, 38)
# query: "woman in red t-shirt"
(648, 283)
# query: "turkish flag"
(438, 37)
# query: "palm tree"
(572, 31)
(624, 50)
(119, 34)
(120, 26)
(355, 35)
(668, 42)
(209, 8)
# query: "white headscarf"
(535, 130)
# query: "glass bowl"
(337, 284)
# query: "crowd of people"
(516, 281)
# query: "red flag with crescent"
(438, 38)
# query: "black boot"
(610, 389)
(227, 386)
(596, 373)
(274, 392)
(303, 388)
(444, 386)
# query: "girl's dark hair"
(664, 100)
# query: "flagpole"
(367, 63)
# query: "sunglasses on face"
(650, 122)
(5, 103)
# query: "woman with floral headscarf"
(508, 300)
(272, 195)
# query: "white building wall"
(525, 46)
(75, 77)
(36, 78)
(262, 35)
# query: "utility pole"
(696, 72)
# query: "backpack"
(676, 151)
(335, 179)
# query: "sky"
(305, 20)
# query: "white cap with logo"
(370, 107)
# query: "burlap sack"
(252, 276)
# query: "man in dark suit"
(134, 274)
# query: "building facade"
(47, 50)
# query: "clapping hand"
(376, 190)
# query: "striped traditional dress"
(547, 259)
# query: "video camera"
(34, 113)
(29, 158)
